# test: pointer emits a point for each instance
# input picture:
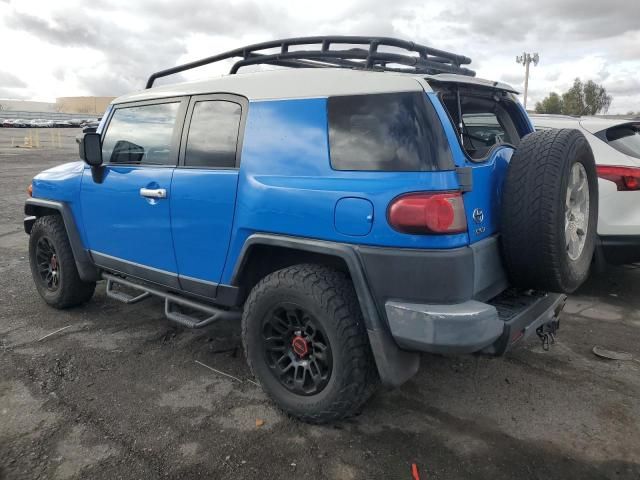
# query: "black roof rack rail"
(427, 61)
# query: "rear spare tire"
(549, 211)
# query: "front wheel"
(305, 341)
(53, 267)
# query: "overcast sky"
(53, 48)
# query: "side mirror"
(90, 149)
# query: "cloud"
(624, 86)
(110, 47)
(6, 93)
(10, 80)
(546, 20)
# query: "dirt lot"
(119, 393)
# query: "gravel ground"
(119, 393)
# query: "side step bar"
(171, 303)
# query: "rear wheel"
(53, 267)
(305, 341)
(550, 211)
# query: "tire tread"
(336, 296)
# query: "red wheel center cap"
(300, 346)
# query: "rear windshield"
(489, 118)
(393, 132)
(485, 129)
(625, 139)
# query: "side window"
(394, 132)
(213, 134)
(141, 135)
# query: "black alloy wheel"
(53, 265)
(47, 264)
(297, 349)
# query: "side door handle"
(153, 193)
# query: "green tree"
(550, 104)
(581, 99)
(585, 99)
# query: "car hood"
(62, 171)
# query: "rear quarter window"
(395, 132)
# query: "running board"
(171, 303)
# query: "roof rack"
(427, 61)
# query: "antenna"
(526, 59)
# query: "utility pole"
(525, 59)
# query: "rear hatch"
(487, 123)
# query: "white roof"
(465, 79)
(290, 83)
(307, 83)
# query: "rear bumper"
(620, 249)
(471, 326)
(453, 301)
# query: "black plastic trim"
(395, 366)
(465, 178)
(202, 288)
(28, 223)
(136, 270)
(37, 207)
(620, 249)
(224, 295)
(420, 276)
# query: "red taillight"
(30, 190)
(626, 178)
(428, 213)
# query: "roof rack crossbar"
(378, 61)
(293, 62)
(428, 60)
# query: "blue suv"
(367, 200)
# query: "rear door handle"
(153, 192)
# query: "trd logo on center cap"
(478, 215)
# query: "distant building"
(65, 108)
(89, 105)
(26, 106)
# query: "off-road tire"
(71, 291)
(533, 211)
(329, 296)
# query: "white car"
(41, 123)
(616, 147)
